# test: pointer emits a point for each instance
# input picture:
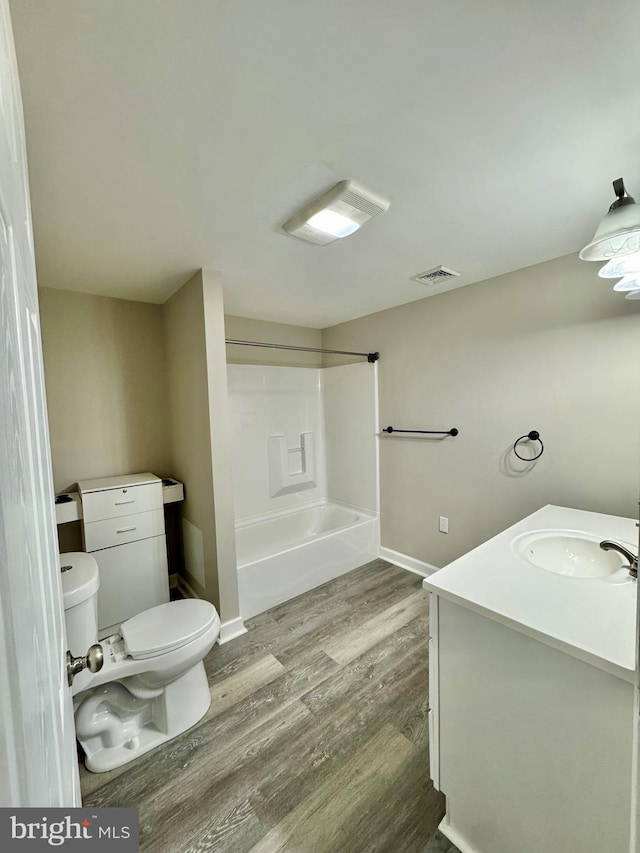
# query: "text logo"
(104, 830)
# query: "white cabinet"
(135, 578)
(532, 747)
(531, 698)
(123, 527)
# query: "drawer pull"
(125, 529)
(120, 503)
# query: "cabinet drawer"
(113, 503)
(118, 531)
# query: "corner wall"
(220, 432)
(194, 336)
(189, 432)
(551, 348)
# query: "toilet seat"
(167, 627)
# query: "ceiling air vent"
(436, 275)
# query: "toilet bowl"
(152, 685)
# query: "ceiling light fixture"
(336, 214)
(619, 232)
(616, 267)
(629, 282)
(617, 241)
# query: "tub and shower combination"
(305, 477)
(294, 551)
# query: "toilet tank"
(80, 582)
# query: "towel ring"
(534, 435)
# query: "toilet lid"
(167, 626)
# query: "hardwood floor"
(316, 738)
(440, 844)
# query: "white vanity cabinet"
(531, 692)
(531, 746)
(123, 528)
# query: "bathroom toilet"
(152, 685)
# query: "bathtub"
(285, 554)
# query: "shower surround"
(305, 477)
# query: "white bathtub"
(283, 555)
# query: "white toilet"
(152, 685)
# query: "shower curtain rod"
(370, 356)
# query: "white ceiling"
(168, 135)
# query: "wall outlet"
(444, 524)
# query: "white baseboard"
(230, 630)
(410, 564)
(455, 838)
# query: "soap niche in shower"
(291, 469)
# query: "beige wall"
(550, 348)
(245, 329)
(196, 370)
(189, 421)
(220, 431)
(106, 391)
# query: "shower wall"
(349, 394)
(275, 412)
(302, 435)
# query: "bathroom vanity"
(531, 687)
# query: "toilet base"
(116, 723)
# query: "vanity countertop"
(594, 619)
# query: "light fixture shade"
(616, 267)
(336, 214)
(629, 282)
(619, 232)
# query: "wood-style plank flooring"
(316, 738)
(440, 844)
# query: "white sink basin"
(571, 553)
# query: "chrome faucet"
(608, 545)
